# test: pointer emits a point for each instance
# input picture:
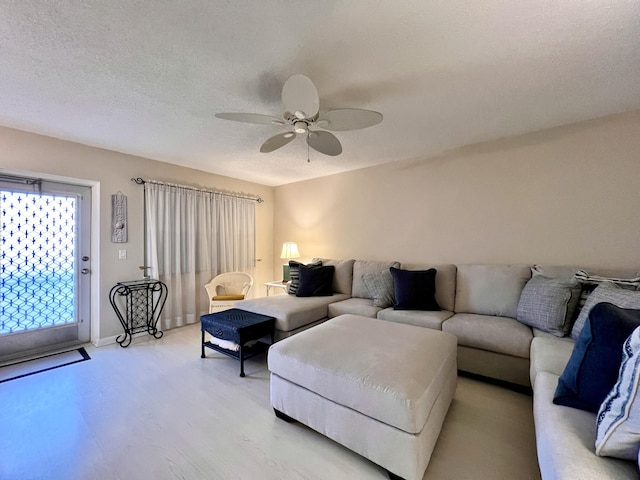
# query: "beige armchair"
(227, 288)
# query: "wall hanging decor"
(119, 218)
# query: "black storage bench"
(238, 326)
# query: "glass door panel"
(43, 298)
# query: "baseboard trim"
(101, 342)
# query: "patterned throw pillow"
(294, 275)
(380, 286)
(548, 304)
(618, 428)
(610, 293)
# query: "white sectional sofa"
(479, 305)
(565, 436)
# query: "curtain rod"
(18, 179)
(141, 181)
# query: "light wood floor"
(156, 410)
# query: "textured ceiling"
(146, 77)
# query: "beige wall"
(568, 195)
(30, 153)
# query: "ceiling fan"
(303, 116)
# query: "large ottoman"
(379, 388)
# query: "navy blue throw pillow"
(315, 281)
(593, 367)
(414, 289)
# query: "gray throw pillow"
(548, 304)
(610, 293)
(380, 287)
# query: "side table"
(138, 304)
(276, 284)
(238, 327)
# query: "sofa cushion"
(315, 281)
(593, 367)
(445, 282)
(618, 427)
(549, 354)
(343, 276)
(356, 306)
(549, 303)
(488, 332)
(363, 267)
(414, 289)
(610, 293)
(294, 275)
(380, 286)
(490, 289)
(565, 439)
(291, 312)
(419, 318)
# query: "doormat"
(25, 368)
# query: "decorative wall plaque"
(119, 218)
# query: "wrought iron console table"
(138, 305)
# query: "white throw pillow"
(618, 427)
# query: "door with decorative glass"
(44, 265)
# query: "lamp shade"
(290, 250)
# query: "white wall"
(568, 195)
(36, 154)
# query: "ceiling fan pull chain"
(308, 160)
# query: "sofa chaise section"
(293, 314)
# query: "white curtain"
(192, 236)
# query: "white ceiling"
(146, 77)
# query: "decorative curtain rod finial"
(138, 180)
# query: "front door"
(44, 266)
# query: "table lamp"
(289, 251)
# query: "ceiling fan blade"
(251, 118)
(277, 141)
(344, 119)
(300, 97)
(324, 142)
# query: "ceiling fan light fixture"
(300, 127)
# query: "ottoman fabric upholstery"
(394, 381)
